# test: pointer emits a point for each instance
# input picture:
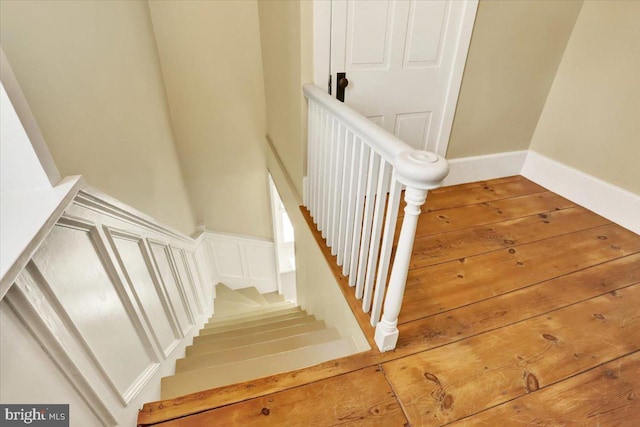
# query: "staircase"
(251, 336)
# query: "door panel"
(404, 61)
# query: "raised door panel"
(93, 300)
(425, 33)
(369, 33)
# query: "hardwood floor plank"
(453, 284)
(444, 328)
(358, 398)
(608, 395)
(468, 185)
(459, 218)
(461, 379)
(477, 240)
(438, 200)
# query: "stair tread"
(257, 328)
(273, 297)
(252, 293)
(263, 309)
(225, 294)
(216, 322)
(212, 377)
(255, 350)
(206, 344)
(255, 322)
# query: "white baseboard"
(490, 166)
(610, 201)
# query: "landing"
(521, 308)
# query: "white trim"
(455, 78)
(26, 218)
(610, 201)
(489, 166)
(305, 190)
(242, 261)
(321, 42)
(41, 315)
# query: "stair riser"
(257, 329)
(252, 323)
(204, 346)
(217, 376)
(267, 309)
(206, 360)
(213, 321)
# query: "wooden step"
(253, 351)
(208, 344)
(226, 294)
(250, 323)
(273, 297)
(203, 379)
(256, 329)
(215, 322)
(266, 309)
(252, 293)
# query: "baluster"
(346, 171)
(331, 180)
(376, 232)
(337, 187)
(311, 123)
(363, 173)
(326, 193)
(366, 225)
(351, 199)
(322, 144)
(386, 249)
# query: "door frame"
(322, 61)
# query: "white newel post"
(419, 171)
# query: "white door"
(404, 61)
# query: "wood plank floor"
(521, 309)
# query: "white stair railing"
(356, 172)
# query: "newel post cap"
(420, 169)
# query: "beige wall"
(210, 54)
(90, 73)
(515, 51)
(316, 287)
(591, 120)
(286, 36)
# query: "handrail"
(356, 172)
(423, 168)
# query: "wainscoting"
(103, 309)
(241, 261)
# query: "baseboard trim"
(612, 202)
(490, 166)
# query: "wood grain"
(453, 284)
(477, 240)
(489, 191)
(361, 398)
(463, 378)
(458, 218)
(608, 395)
